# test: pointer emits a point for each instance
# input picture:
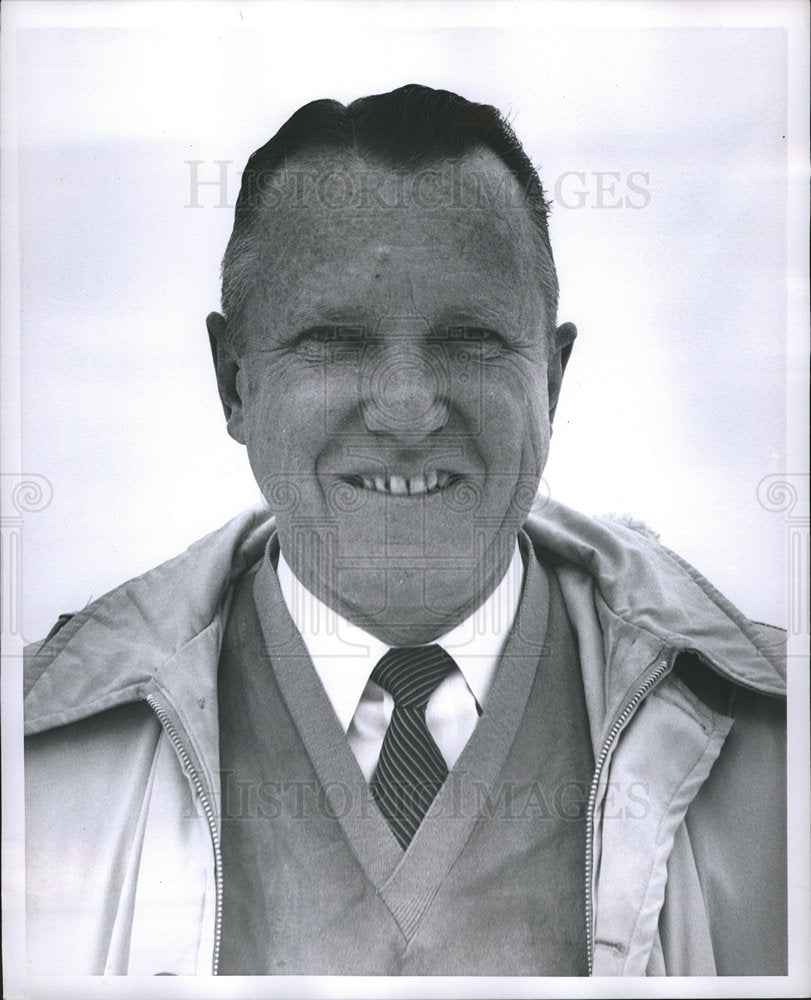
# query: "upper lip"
(406, 469)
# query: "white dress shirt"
(345, 655)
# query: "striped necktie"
(411, 769)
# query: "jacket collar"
(115, 650)
(641, 583)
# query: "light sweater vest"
(314, 881)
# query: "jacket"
(685, 700)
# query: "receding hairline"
(405, 131)
(477, 174)
(462, 183)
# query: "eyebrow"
(482, 315)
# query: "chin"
(403, 608)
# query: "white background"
(674, 407)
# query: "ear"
(559, 358)
(226, 366)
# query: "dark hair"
(406, 128)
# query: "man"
(397, 722)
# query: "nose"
(405, 380)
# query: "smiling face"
(392, 378)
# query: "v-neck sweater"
(344, 656)
(314, 880)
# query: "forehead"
(351, 234)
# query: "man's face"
(391, 379)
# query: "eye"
(310, 343)
(316, 335)
(480, 334)
(482, 342)
(327, 341)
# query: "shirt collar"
(344, 655)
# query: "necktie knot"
(411, 674)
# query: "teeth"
(401, 486)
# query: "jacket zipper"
(650, 682)
(185, 759)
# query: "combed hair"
(407, 128)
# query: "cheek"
(283, 399)
(283, 424)
(522, 419)
(515, 415)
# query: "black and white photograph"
(405, 535)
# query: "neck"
(407, 607)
